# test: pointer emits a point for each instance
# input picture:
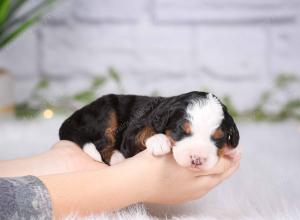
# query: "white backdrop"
(170, 46)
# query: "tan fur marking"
(225, 150)
(187, 127)
(106, 153)
(143, 135)
(221, 152)
(112, 125)
(218, 134)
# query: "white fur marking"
(205, 115)
(116, 157)
(91, 150)
(158, 144)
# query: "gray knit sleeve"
(24, 198)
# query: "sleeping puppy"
(195, 126)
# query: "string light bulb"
(48, 113)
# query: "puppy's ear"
(162, 120)
(232, 132)
(233, 136)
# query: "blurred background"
(238, 50)
(56, 56)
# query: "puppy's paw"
(92, 151)
(116, 157)
(158, 144)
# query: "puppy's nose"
(197, 160)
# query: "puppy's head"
(203, 130)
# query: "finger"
(211, 181)
(231, 170)
(218, 178)
(222, 165)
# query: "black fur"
(134, 113)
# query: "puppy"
(195, 126)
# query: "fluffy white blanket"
(266, 186)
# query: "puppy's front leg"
(158, 144)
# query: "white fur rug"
(267, 186)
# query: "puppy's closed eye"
(186, 127)
(218, 137)
(218, 134)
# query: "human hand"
(73, 157)
(63, 157)
(142, 178)
(160, 179)
(165, 182)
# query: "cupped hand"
(73, 158)
(160, 179)
(165, 182)
(63, 157)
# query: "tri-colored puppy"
(195, 126)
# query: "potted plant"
(13, 22)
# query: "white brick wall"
(170, 46)
(109, 10)
(232, 52)
(163, 49)
(216, 11)
(85, 49)
(21, 57)
(285, 48)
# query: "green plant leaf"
(43, 84)
(293, 104)
(114, 75)
(24, 110)
(13, 26)
(265, 96)
(284, 79)
(15, 33)
(259, 114)
(98, 82)
(9, 22)
(15, 6)
(230, 106)
(84, 96)
(35, 10)
(4, 10)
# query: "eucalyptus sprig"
(290, 109)
(65, 104)
(37, 102)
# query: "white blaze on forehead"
(205, 114)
